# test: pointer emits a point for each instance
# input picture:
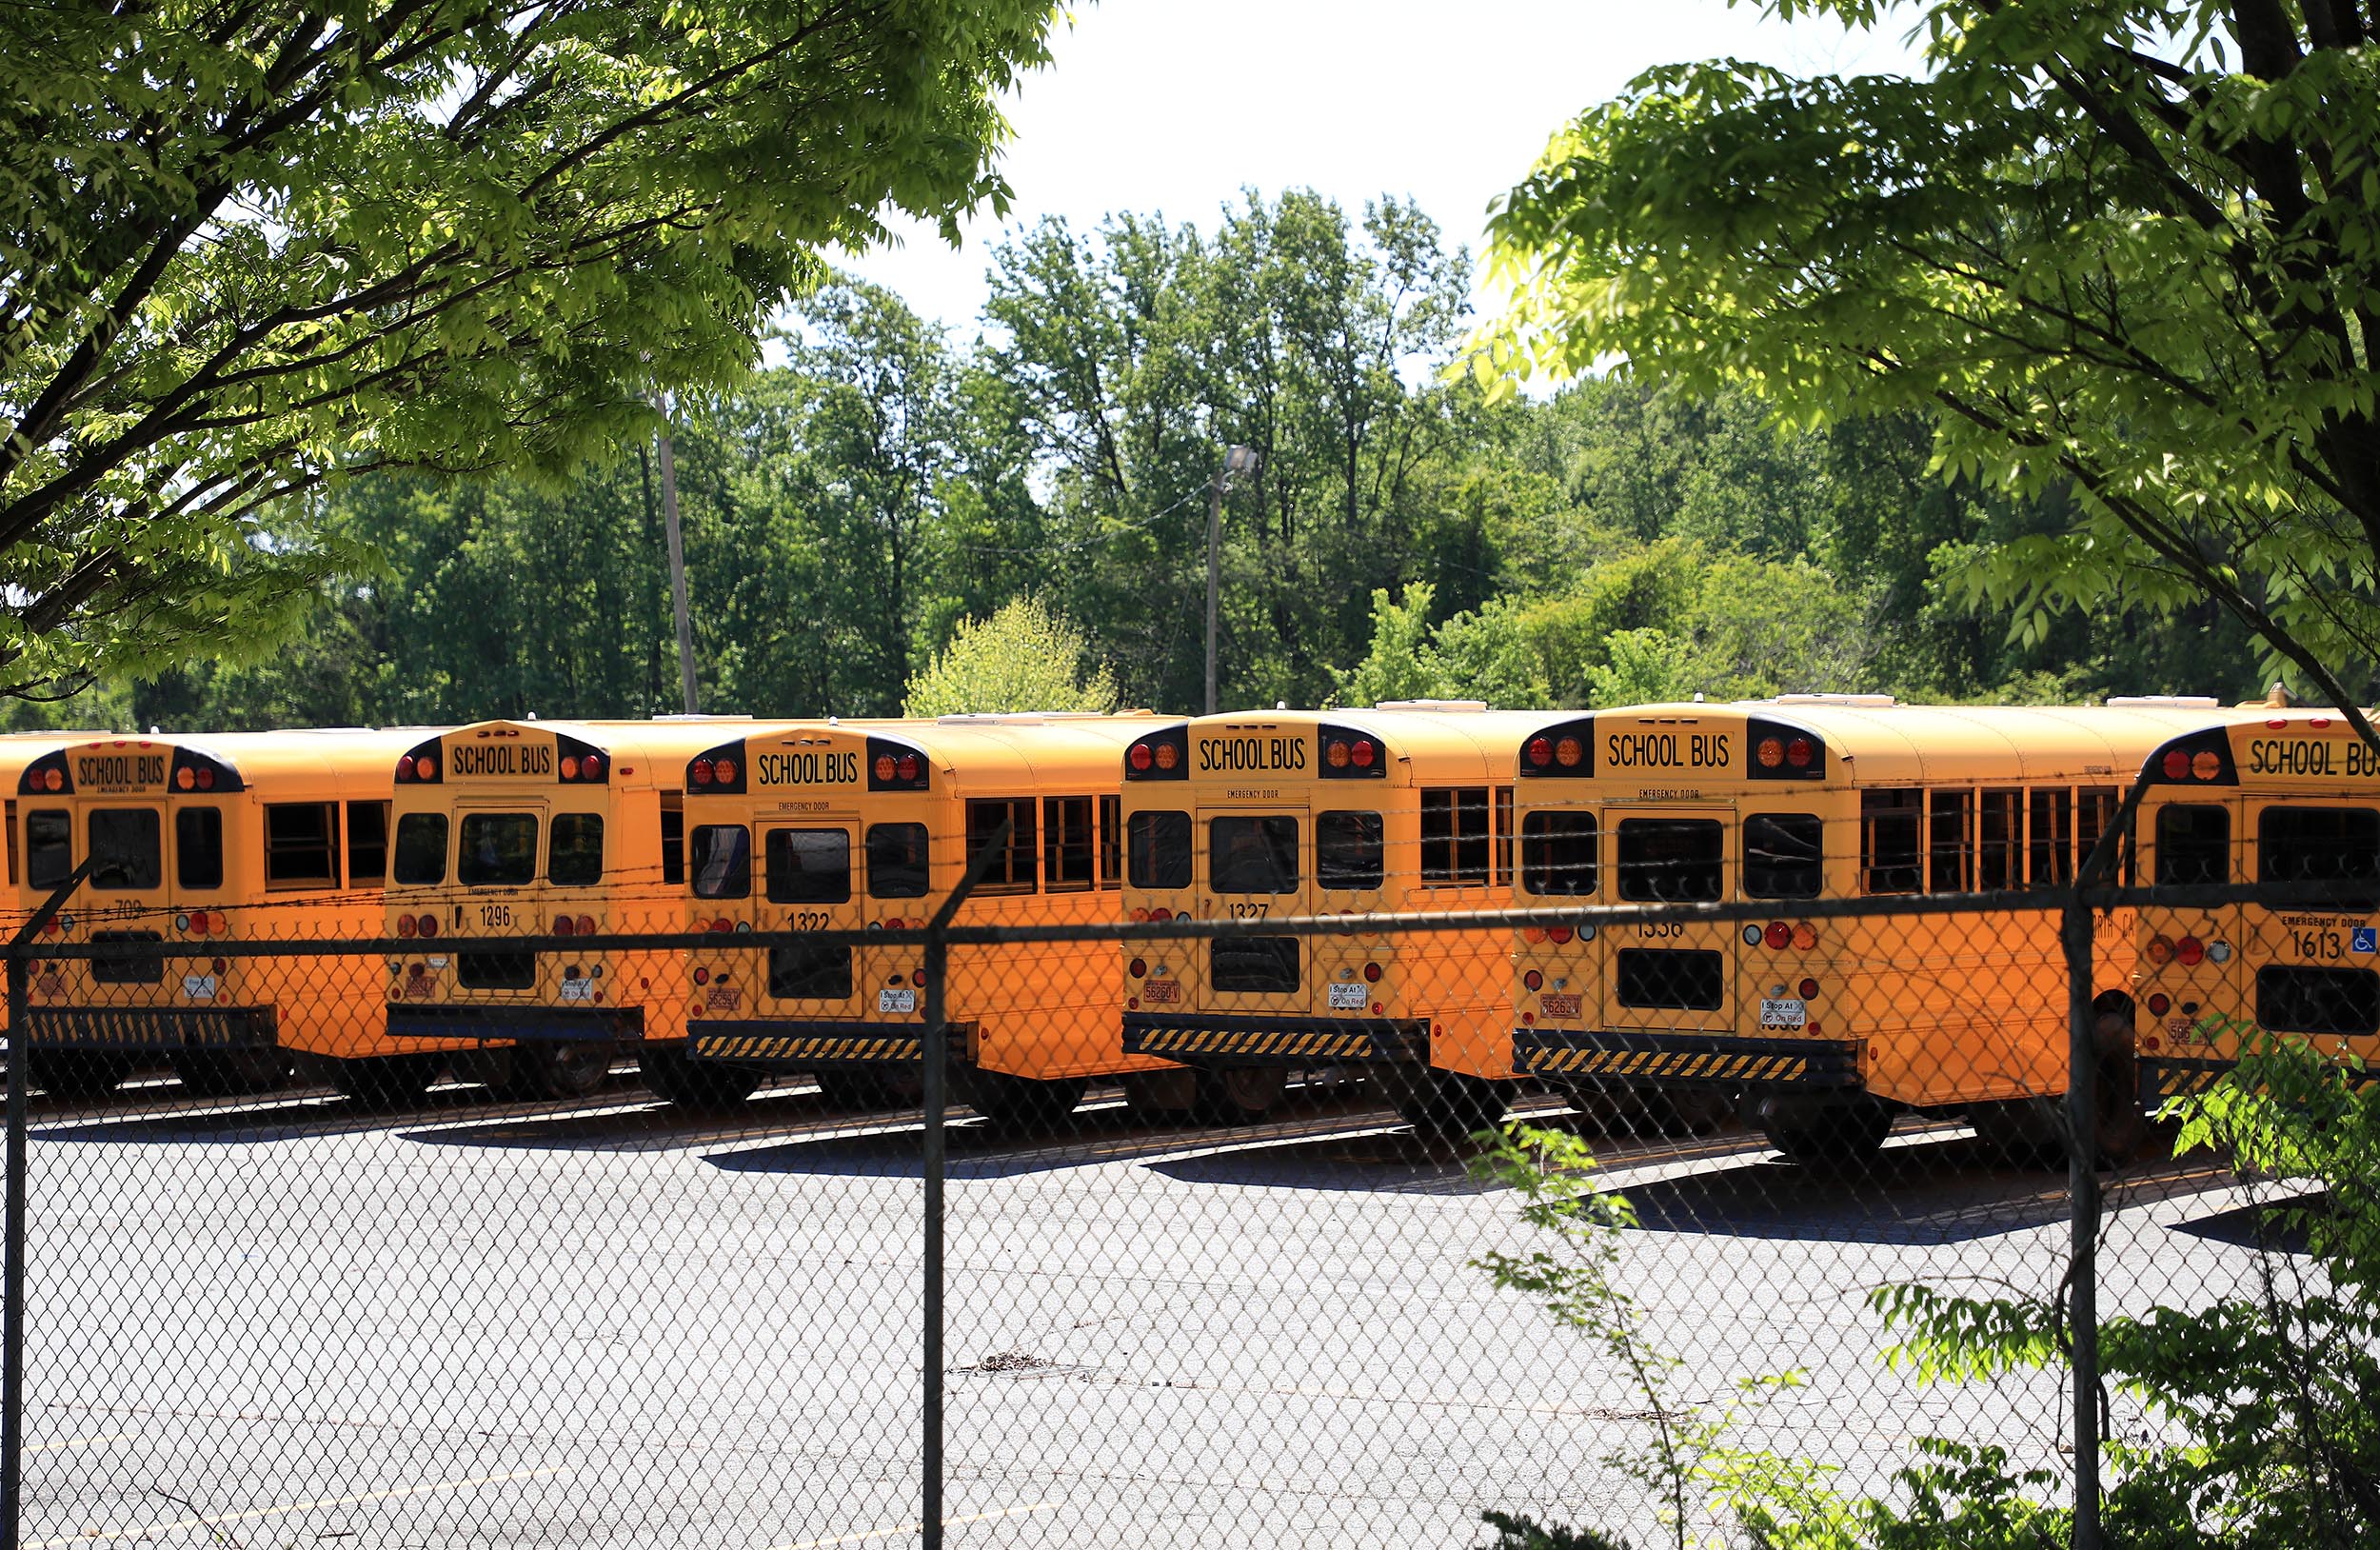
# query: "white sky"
(1173, 106)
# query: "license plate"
(198, 987)
(725, 998)
(1349, 998)
(1784, 1014)
(896, 1001)
(1565, 1006)
(584, 990)
(1161, 993)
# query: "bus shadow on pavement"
(1392, 1158)
(972, 1148)
(306, 1115)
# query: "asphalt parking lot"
(288, 1322)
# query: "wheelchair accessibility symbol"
(2366, 939)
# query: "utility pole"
(1235, 460)
(677, 553)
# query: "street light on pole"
(1235, 460)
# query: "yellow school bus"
(200, 840)
(513, 829)
(1407, 806)
(2266, 794)
(863, 828)
(1821, 1030)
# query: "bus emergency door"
(498, 850)
(1670, 976)
(811, 879)
(2311, 970)
(1253, 867)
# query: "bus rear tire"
(1239, 1094)
(229, 1073)
(674, 1077)
(1015, 1104)
(385, 1082)
(855, 1090)
(78, 1073)
(1162, 1097)
(561, 1069)
(1448, 1105)
(1834, 1135)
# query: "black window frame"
(1457, 836)
(366, 842)
(2360, 887)
(1949, 839)
(780, 837)
(1276, 848)
(915, 861)
(398, 854)
(554, 852)
(732, 882)
(1146, 849)
(37, 875)
(1631, 872)
(2171, 846)
(197, 835)
(100, 879)
(1541, 858)
(286, 853)
(1810, 855)
(1367, 837)
(1069, 845)
(1016, 871)
(463, 848)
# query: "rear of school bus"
(2270, 795)
(1820, 1030)
(1266, 814)
(862, 829)
(511, 834)
(199, 841)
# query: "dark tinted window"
(723, 860)
(129, 842)
(491, 968)
(2194, 844)
(2051, 848)
(1670, 860)
(672, 839)
(810, 971)
(1070, 849)
(2339, 1001)
(198, 848)
(1999, 832)
(2094, 809)
(1677, 981)
(1111, 842)
(49, 847)
(1253, 855)
(809, 867)
(302, 845)
(1557, 855)
(498, 851)
(896, 861)
(577, 858)
(1157, 851)
(1504, 835)
(1266, 965)
(1784, 856)
(1011, 871)
(422, 848)
(1349, 851)
(367, 843)
(2322, 844)
(1454, 835)
(1950, 842)
(1888, 841)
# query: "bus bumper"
(2167, 1077)
(762, 1045)
(134, 1029)
(538, 1025)
(1277, 1041)
(1671, 1060)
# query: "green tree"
(251, 250)
(1022, 658)
(2130, 249)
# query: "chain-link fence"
(1166, 1232)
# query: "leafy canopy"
(247, 249)
(1022, 658)
(2129, 247)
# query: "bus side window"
(2050, 853)
(672, 839)
(1157, 850)
(2194, 845)
(12, 883)
(1950, 842)
(1011, 871)
(1454, 840)
(302, 845)
(48, 846)
(1111, 842)
(2094, 809)
(2001, 834)
(198, 848)
(368, 844)
(1503, 837)
(1888, 841)
(1070, 847)
(1784, 856)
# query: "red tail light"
(405, 927)
(199, 922)
(587, 926)
(405, 769)
(1799, 753)
(429, 925)
(2189, 950)
(1558, 933)
(1138, 757)
(701, 772)
(2176, 765)
(1363, 754)
(1138, 967)
(896, 923)
(1160, 917)
(206, 780)
(2159, 1005)
(1531, 980)
(1808, 989)
(591, 765)
(1778, 934)
(563, 925)
(702, 976)
(1540, 752)
(907, 768)
(1372, 973)
(722, 926)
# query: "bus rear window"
(2322, 844)
(1784, 856)
(722, 854)
(1253, 855)
(498, 851)
(896, 861)
(1157, 851)
(129, 842)
(2194, 845)
(808, 866)
(2290, 999)
(1454, 835)
(198, 848)
(1349, 851)
(49, 847)
(421, 849)
(1557, 855)
(1670, 860)
(576, 860)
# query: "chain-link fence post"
(2082, 1181)
(12, 1336)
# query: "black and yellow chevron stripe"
(1249, 1041)
(166, 1029)
(1677, 1065)
(804, 1047)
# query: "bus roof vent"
(1431, 704)
(1869, 701)
(2162, 701)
